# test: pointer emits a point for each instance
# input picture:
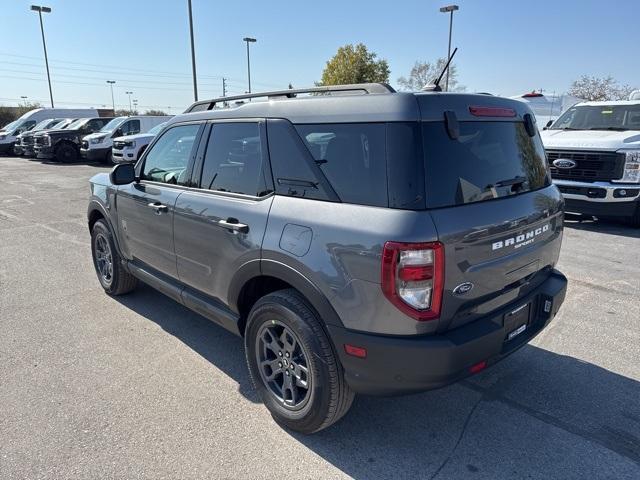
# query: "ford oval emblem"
(463, 288)
(564, 163)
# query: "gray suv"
(359, 240)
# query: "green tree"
(426, 73)
(354, 64)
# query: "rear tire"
(286, 347)
(66, 153)
(114, 279)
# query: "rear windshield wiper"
(511, 181)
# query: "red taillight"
(413, 277)
(492, 112)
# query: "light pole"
(193, 55)
(129, 93)
(249, 40)
(40, 9)
(135, 105)
(449, 9)
(113, 103)
(24, 99)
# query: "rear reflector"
(492, 112)
(355, 351)
(478, 367)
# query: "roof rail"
(366, 88)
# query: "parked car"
(24, 141)
(26, 122)
(130, 148)
(64, 145)
(366, 242)
(97, 146)
(594, 154)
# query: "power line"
(143, 72)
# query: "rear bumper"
(396, 365)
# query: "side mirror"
(117, 133)
(549, 123)
(123, 174)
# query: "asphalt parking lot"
(140, 387)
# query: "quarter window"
(168, 158)
(234, 160)
(352, 157)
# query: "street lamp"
(113, 103)
(193, 55)
(40, 9)
(135, 104)
(249, 40)
(130, 93)
(447, 9)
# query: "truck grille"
(590, 166)
(38, 140)
(28, 140)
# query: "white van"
(26, 122)
(97, 146)
(547, 108)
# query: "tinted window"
(291, 163)
(600, 117)
(234, 160)
(352, 157)
(131, 127)
(168, 158)
(489, 160)
(95, 124)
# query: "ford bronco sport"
(359, 240)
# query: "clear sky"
(506, 47)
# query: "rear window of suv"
(488, 160)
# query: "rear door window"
(234, 160)
(489, 160)
(352, 157)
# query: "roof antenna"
(436, 85)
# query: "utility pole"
(449, 9)
(113, 102)
(39, 9)
(249, 40)
(224, 87)
(130, 93)
(193, 55)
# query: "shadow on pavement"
(536, 414)
(610, 227)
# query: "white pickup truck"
(594, 156)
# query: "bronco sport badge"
(521, 240)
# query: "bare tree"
(425, 73)
(598, 89)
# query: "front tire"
(114, 279)
(293, 365)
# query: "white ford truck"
(594, 156)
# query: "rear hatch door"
(498, 215)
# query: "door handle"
(158, 207)
(233, 225)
